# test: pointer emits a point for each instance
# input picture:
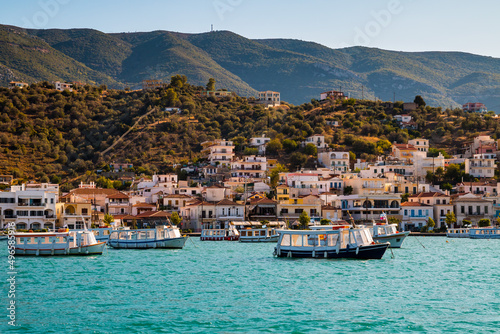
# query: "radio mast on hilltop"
(212, 29)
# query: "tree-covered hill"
(29, 58)
(299, 70)
(46, 133)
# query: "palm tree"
(108, 219)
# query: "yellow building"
(311, 204)
(283, 194)
(72, 211)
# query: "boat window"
(311, 240)
(243, 233)
(32, 240)
(105, 232)
(356, 238)
(263, 233)
(46, 240)
(345, 238)
(297, 240)
(285, 240)
(19, 240)
(333, 239)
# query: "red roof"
(144, 205)
(264, 200)
(118, 195)
(155, 214)
(414, 204)
(405, 146)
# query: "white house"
(60, 86)
(29, 206)
(219, 152)
(260, 143)
(250, 166)
(415, 215)
(316, 140)
(336, 161)
(473, 208)
(441, 204)
(420, 144)
(269, 98)
(481, 165)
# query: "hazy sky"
(403, 25)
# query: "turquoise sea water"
(451, 285)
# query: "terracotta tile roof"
(414, 204)
(177, 196)
(227, 202)
(154, 214)
(304, 196)
(144, 205)
(94, 191)
(429, 194)
(215, 186)
(118, 195)
(122, 217)
(264, 200)
(405, 146)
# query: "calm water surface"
(451, 285)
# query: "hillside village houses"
(260, 143)
(316, 140)
(231, 188)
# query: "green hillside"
(45, 133)
(300, 70)
(32, 59)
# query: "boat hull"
(273, 238)
(220, 238)
(375, 251)
(170, 243)
(395, 240)
(95, 249)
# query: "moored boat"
(355, 243)
(160, 237)
(221, 234)
(461, 232)
(385, 232)
(474, 233)
(389, 233)
(58, 243)
(261, 233)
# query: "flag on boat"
(383, 216)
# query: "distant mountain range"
(299, 70)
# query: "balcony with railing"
(30, 202)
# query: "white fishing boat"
(103, 233)
(259, 232)
(474, 233)
(485, 233)
(355, 243)
(385, 232)
(461, 232)
(164, 236)
(220, 234)
(58, 243)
